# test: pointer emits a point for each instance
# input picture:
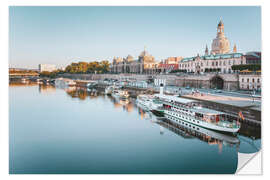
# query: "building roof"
(255, 54)
(207, 111)
(214, 57)
(174, 98)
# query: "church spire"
(206, 51)
(234, 48)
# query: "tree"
(250, 67)
(91, 67)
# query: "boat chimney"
(161, 89)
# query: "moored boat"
(109, 90)
(122, 94)
(190, 111)
(150, 103)
(64, 82)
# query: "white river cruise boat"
(150, 103)
(121, 94)
(189, 111)
(109, 90)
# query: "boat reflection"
(209, 136)
(126, 104)
(191, 131)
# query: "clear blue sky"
(61, 35)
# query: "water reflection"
(110, 135)
(247, 140)
(248, 131)
(188, 130)
(46, 89)
(240, 141)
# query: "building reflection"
(81, 93)
(21, 84)
(126, 104)
(46, 89)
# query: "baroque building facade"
(250, 81)
(212, 63)
(145, 64)
(220, 59)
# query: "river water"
(58, 131)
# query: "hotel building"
(46, 67)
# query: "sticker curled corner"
(249, 164)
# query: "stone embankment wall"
(231, 81)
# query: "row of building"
(219, 59)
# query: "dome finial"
(220, 22)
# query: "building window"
(224, 63)
(229, 62)
(247, 79)
(220, 63)
(241, 62)
(242, 79)
(258, 80)
(216, 63)
(253, 80)
(212, 63)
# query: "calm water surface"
(70, 131)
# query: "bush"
(250, 67)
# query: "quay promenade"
(211, 80)
(251, 108)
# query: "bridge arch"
(217, 82)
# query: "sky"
(61, 35)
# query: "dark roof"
(214, 57)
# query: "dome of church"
(129, 58)
(220, 45)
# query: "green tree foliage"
(49, 74)
(250, 67)
(91, 67)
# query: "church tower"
(220, 44)
(220, 29)
(234, 49)
(206, 51)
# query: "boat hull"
(157, 112)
